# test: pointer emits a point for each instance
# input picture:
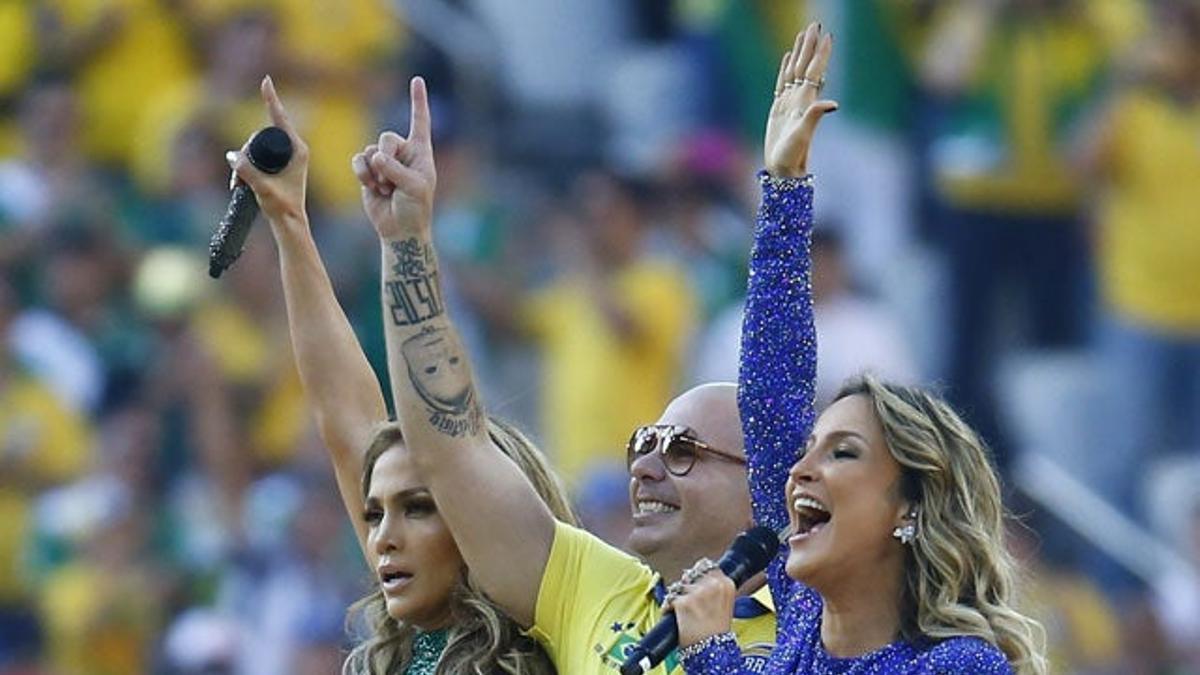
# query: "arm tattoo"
(438, 369)
(414, 291)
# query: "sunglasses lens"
(641, 442)
(680, 456)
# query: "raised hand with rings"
(796, 110)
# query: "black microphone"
(270, 150)
(748, 555)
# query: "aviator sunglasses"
(678, 447)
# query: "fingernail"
(267, 80)
(231, 157)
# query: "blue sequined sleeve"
(778, 372)
(777, 378)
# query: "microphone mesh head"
(759, 544)
(270, 150)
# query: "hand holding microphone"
(269, 151)
(749, 554)
(269, 173)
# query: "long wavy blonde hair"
(483, 640)
(959, 577)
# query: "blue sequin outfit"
(775, 396)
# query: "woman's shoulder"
(966, 654)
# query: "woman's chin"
(398, 609)
(424, 618)
(802, 566)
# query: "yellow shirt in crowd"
(347, 37)
(146, 53)
(98, 621)
(42, 442)
(250, 357)
(595, 602)
(1149, 259)
(596, 387)
(1030, 71)
(16, 61)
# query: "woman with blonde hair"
(895, 561)
(425, 616)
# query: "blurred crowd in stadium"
(1006, 209)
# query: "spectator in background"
(708, 219)
(328, 50)
(18, 55)
(45, 175)
(199, 642)
(855, 332)
(242, 44)
(114, 51)
(1143, 152)
(205, 457)
(289, 588)
(62, 341)
(103, 607)
(244, 330)
(45, 179)
(869, 141)
(472, 229)
(1010, 78)
(181, 210)
(43, 442)
(612, 326)
(612, 330)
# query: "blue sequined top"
(776, 400)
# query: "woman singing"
(896, 562)
(426, 616)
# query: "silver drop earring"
(905, 534)
(908, 532)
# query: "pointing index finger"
(279, 116)
(419, 126)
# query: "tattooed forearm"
(438, 369)
(413, 290)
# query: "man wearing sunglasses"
(683, 491)
(689, 498)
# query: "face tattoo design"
(437, 366)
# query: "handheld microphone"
(749, 554)
(270, 150)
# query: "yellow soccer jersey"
(596, 602)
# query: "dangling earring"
(907, 532)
